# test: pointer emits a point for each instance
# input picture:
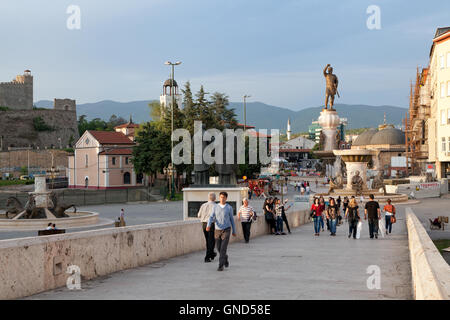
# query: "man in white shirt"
(203, 214)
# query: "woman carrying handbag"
(389, 210)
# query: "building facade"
(439, 121)
(102, 160)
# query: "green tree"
(224, 116)
(152, 151)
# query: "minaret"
(288, 131)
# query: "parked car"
(25, 178)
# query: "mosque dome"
(390, 136)
(365, 137)
(168, 83)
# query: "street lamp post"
(245, 112)
(172, 192)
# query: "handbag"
(393, 219)
(312, 213)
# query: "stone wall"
(430, 272)
(17, 95)
(17, 128)
(37, 264)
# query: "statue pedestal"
(329, 121)
(194, 197)
(352, 167)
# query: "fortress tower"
(166, 98)
(18, 94)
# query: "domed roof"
(365, 137)
(168, 83)
(391, 136)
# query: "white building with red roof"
(102, 160)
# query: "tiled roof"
(110, 137)
(127, 125)
(441, 31)
(117, 152)
(294, 150)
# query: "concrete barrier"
(36, 264)
(430, 272)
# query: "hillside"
(259, 114)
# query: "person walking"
(389, 211)
(222, 215)
(268, 215)
(204, 214)
(316, 212)
(323, 206)
(308, 189)
(245, 215)
(372, 212)
(345, 204)
(332, 216)
(352, 216)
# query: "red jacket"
(318, 208)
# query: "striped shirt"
(245, 213)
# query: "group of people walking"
(330, 210)
(218, 221)
(302, 187)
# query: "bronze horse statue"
(14, 206)
(59, 208)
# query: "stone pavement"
(295, 266)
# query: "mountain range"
(259, 114)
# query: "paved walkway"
(295, 266)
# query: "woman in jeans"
(268, 215)
(389, 210)
(322, 204)
(317, 209)
(353, 217)
(245, 215)
(281, 216)
(332, 216)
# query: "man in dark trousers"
(372, 211)
(204, 214)
(222, 215)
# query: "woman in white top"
(245, 215)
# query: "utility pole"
(172, 92)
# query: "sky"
(274, 51)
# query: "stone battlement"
(17, 94)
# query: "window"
(442, 61)
(448, 116)
(113, 161)
(442, 90)
(443, 144)
(86, 160)
(126, 160)
(443, 120)
(448, 59)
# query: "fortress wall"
(16, 96)
(17, 128)
(37, 264)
